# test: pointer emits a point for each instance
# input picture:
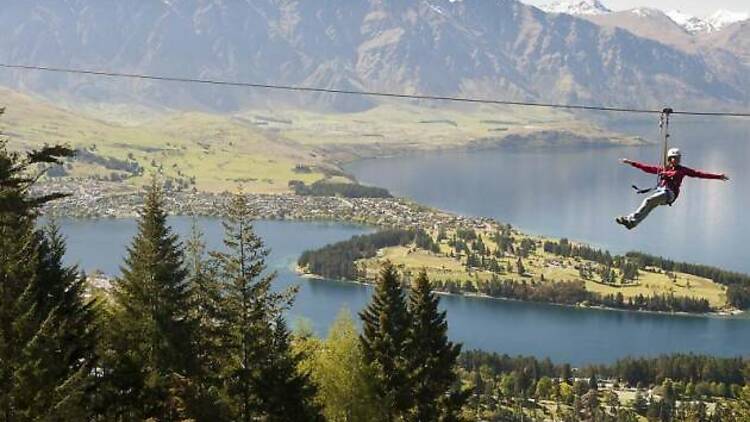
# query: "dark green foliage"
(336, 261)
(432, 358)
(708, 372)
(129, 166)
(286, 393)
(347, 190)
(565, 248)
(738, 295)
(658, 303)
(409, 351)
(151, 339)
(574, 292)
(423, 240)
(258, 372)
(527, 246)
(567, 293)
(466, 234)
(473, 261)
(678, 367)
(504, 241)
(205, 402)
(47, 327)
(629, 270)
(385, 337)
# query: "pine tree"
(254, 335)
(47, 326)
(152, 333)
(204, 399)
(386, 325)
(432, 358)
(287, 393)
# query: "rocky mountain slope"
(499, 49)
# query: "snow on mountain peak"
(722, 18)
(715, 22)
(645, 12)
(690, 23)
(576, 7)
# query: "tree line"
(503, 386)
(631, 372)
(190, 334)
(572, 293)
(347, 190)
(337, 261)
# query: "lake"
(564, 334)
(578, 193)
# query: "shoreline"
(367, 212)
(526, 138)
(734, 314)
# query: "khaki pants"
(662, 196)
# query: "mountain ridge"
(440, 47)
(693, 24)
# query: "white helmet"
(674, 152)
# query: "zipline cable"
(363, 93)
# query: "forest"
(337, 261)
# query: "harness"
(664, 135)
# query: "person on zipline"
(666, 192)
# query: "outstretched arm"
(705, 175)
(644, 167)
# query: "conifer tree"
(151, 327)
(47, 327)
(432, 358)
(384, 341)
(204, 399)
(259, 373)
(287, 393)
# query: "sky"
(694, 7)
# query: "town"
(98, 199)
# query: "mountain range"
(690, 23)
(495, 49)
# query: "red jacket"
(672, 178)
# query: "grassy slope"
(392, 128)
(258, 149)
(443, 267)
(220, 152)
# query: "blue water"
(564, 334)
(577, 194)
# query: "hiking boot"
(625, 222)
